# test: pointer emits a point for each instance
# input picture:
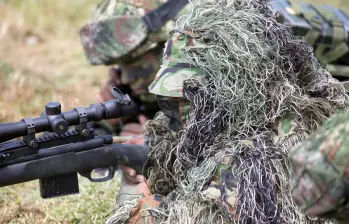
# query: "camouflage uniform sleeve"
(320, 170)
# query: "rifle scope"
(55, 121)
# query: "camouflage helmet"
(174, 71)
(117, 33)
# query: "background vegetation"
(41, 60)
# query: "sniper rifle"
(67, 147)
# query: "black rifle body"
(58, 155)
(72, 162)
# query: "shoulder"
(320, 168)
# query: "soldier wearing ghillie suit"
(117, 35)
(237, 90)
(137, 67)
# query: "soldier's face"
(176, 109)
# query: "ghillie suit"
(237, 90)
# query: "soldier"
(136, 51)
(136, 68)
(261, 195)
(320, 173)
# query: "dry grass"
(41, 59)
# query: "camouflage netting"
(257, 76)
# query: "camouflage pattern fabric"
(320, 163)
(169, 79)
(321, 170)
(131, 32)
(141, 72)
(118, 34)
(324, 27)
(113, 37)
(220, 188)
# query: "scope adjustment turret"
(53, 108)
(54, 114)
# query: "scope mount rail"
(53, 120)
(68, 146)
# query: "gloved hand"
(128, 173)
(138, 215)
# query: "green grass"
(22, 204)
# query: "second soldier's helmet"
(118, 32)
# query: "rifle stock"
(132, 155)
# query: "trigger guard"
(111, 173)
